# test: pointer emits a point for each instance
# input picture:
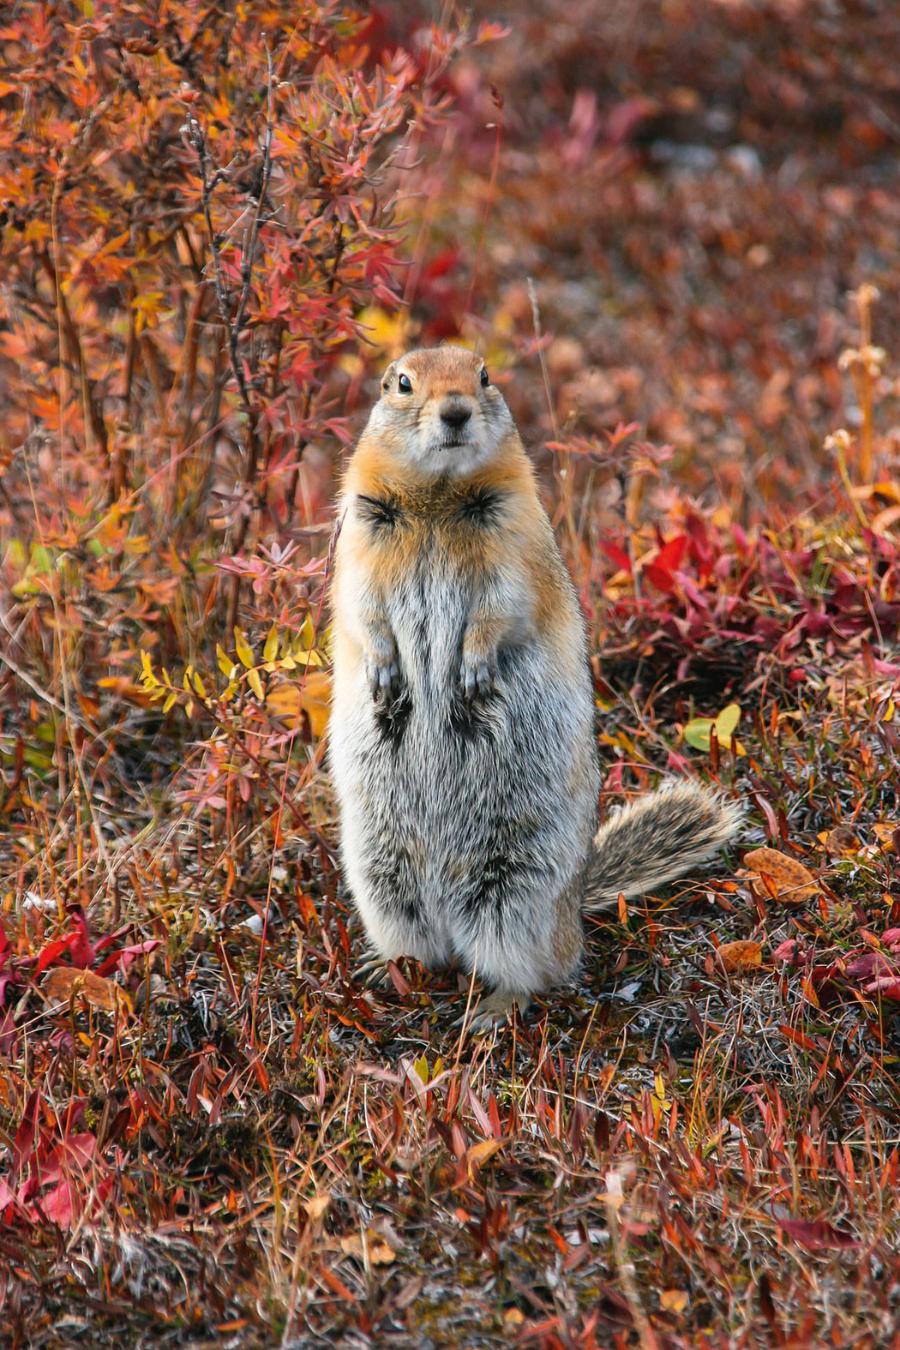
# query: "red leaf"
(126, 955)
(81, 948)
(671, 554)
(60, 1204)
(667, 561)
(617, 554)
(660, 577)
(888, 986)
(52, 952)
(817, 1234)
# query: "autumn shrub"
(198, 211)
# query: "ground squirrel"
(462, 742)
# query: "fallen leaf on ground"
(740, 956)
(783, 878)
(817, 1234)
(65, 981)
(376, 1251)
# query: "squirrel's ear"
(388, 376)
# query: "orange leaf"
(65, 981)
(673, 1300)
(478, 1154)
(376, 1250)
(311, 695)
(337, 1286)
(738, 957)
(785, 878)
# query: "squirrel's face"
(439, 412)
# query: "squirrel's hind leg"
(535, 949)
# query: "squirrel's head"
(439, 413)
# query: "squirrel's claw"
(477, 676)
(494, 1011)
(373, 973)
(384, 679)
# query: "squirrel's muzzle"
(455, 413)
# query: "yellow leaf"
(255, 683)
(698, 731)
(170, 702)
(421, 1067)
(199, 686)
(224, 662)
(388, 332)
(244, 650)
(270, 651)
(305, 637)
(886, 832)
(726, 722)
(311, 696)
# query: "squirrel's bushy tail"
(656, 839)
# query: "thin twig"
(234, 322)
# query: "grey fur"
(463, 821)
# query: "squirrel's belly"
(456, 807)
(428, 617)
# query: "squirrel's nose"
(455, 414)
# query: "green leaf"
(697, 732)
(41, 558)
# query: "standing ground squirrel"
(462, 731)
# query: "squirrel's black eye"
(404, 384)
(485, 377)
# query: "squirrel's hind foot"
(373, 973)
(495, 1010)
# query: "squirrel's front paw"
(383, 672)
(478, 675)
